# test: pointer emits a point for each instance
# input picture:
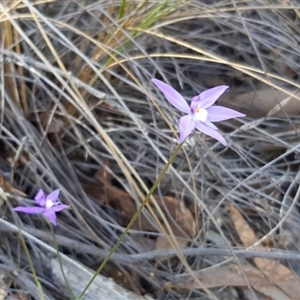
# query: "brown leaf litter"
(180, 219)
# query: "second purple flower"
(48, 206)
(201, 114)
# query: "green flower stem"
(72, 296)
(144, 203)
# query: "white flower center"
(200, 114)
(49, 203)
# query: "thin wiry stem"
(60, 262)
(138, 212)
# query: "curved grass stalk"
(122, 9)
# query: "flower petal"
(29, 210)
(40, 198)
(186, 126)
(210, 124)
(53, 196)
(211, 132)
(209, 97)
(50, 214)
(195, 102)
(220, 113)
(59, 207)
(172, 96)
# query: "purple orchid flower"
(49, 205)
(201, 113)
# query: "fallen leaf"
(262, 102)
(230, 275)
(289, 229)
(5, 284)
(162, 243)
(179, 218)
(8, 188)
(56, 123)
(3, 196)
(272, 269)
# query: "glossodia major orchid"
(202, 113)
(48, 206)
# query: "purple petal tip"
(53, 196)
(172, 95)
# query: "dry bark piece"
(101, 289)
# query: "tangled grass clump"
(79, 113)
